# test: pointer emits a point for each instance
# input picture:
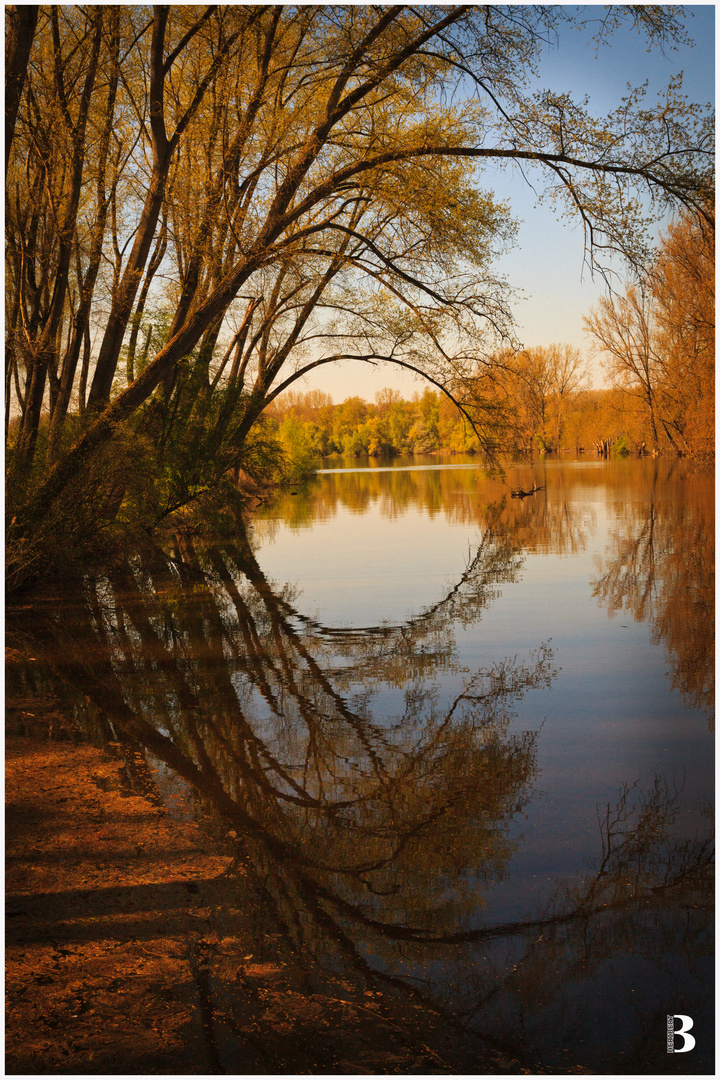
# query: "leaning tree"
(204, 203)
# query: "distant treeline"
(311, 427)
(657, 344)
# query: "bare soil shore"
(106, 909)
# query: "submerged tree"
(289, 186)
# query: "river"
(458, 748)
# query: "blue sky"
(547, 263)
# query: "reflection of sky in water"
(358, 569)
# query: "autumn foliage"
(658, 343)
(205, 203)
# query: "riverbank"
(108, 910)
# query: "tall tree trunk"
(45, 353)
(155, 260)
(124, 297)
(87, 286)
(163, 150)
(20, 23)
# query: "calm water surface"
(460, 742)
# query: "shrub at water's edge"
(152, 477)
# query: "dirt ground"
(105, 914)
(119, 915)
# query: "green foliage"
(179, 461)
(202, 449)
(310, 429)
(86, 522)
(302, 445)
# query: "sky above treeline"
(546, 267)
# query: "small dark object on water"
(519, 493)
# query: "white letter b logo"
(688, 1040)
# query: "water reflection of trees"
(365, 811)
(272, 720)
(551, 521)
(396, 654)
(646, 903)
(660, 569)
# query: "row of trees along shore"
(310, 427)
(204, 203)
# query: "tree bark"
(45, 352)
(20, 23)
(124, 297)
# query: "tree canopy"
(205, 202)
